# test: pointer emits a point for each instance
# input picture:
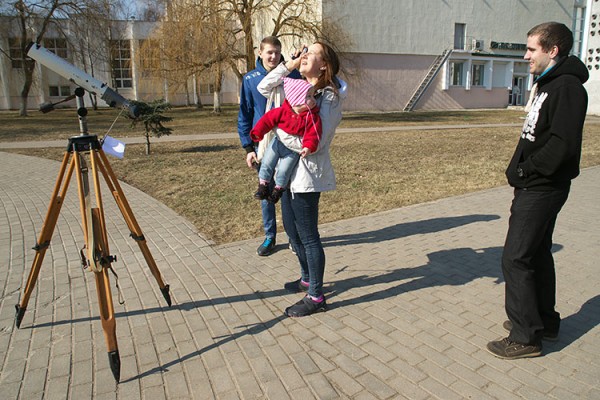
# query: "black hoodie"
(548, 153)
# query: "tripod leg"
(107, 312)
(134, 228)
(56, 202)
(85, 205)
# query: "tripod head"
(80, 78)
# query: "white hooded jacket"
(315, 172)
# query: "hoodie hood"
(343, 89)
(260, 66)
(570, 65)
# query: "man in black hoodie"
(542, 167)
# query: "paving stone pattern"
(415, 294)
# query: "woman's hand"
(296, 59)
(305, 152)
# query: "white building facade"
(120, 68)
(409, 55)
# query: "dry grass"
(63, 123)
(208, 182)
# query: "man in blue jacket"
(252, 107)
(541, 169)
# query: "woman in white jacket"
(313, 175)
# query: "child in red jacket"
(297, 133)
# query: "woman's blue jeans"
(300, 219)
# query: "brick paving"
(415, 293)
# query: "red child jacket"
(306, 124)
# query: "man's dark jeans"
(528, 265)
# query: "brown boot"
(263, 192)
(276, 194)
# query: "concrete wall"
(385, 81)
(427, 26)
(592, 57)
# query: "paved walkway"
(415, 294)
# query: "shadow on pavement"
(406, 229)
(573, 327)
(445, 268)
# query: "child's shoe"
(263, 192)
(276, 194)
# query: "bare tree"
(193, 41)
(90, 32)
(298, 20)
(200, 36)
(152, 10)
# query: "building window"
(456, 73)
(206, 88)
(477, 74)
(459, 36)
(15, 52)
(578, 28)
(57, 46)
(59, 91)
(121, 64)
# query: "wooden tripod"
(98, 257)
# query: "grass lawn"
(208, 182)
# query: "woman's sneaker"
(295, 286)
(306, 306)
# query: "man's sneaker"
(276, 194)
(292, 248)
(262, 192)
(266, 248)
(509, 350)
(295, 286)
(306, 306)
(548, 336)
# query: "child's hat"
(295, 91)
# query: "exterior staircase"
(433, 71)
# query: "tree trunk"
(217, 102)
(197, 99)
(147, 143)
(250, 60)
(218, 88)
(28, 72)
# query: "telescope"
(80, 78)
(95, 254)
